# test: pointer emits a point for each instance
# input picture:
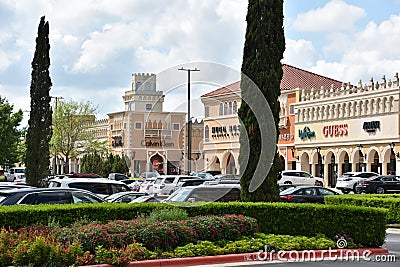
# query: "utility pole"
(54, 171)
(189, 124)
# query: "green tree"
(71, 131)
(262, 55)
(9, 133)
(39, 129)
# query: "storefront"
(349, 128)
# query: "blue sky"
(97, 45)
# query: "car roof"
(85, 180)
(34, 189)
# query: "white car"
(100, 186)
(348, 181)
(167, 184)
(15, 173)
(295, 177)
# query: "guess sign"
(335, 130)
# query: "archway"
(331, 165)
(373, 160)
(305, 162)
(157, 163)
(230, 164)
(344, 163)
(214, 165)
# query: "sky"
(96, 45)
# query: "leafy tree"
(94, 163)
(263, 51)
(9, 133)
(71, 131)
(39, 130)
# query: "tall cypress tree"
(39, 130)
(263, 52)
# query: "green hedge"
(365, 225)
(387, 201)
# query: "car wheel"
(354, 189)
(380, 190)
(287, 182)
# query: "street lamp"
(55, 152)
(189, 124)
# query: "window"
(138, 125)
(149, 106)
(124, 125)
(206, 133)
(138, 85)
(225, 108)
(291, 109)
(111, 127)
(79, 197)
(221, 109)
(235, 107)
(176, 126)
(230, 108)
(206, 112)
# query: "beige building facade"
(348, 128)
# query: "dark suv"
(34, 196)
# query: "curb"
(294, 255)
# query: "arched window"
(138, 85)
(221, 109)
(206, 133)
(235, 107)
(147, 86)
(225, 108)
(230, 108)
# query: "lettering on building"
(335, 130)
(306, 133)
(223, 131)
(371, 126)
(150, 143)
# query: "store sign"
(306, 133)
(371, 126)
(156, 143)
(285, 137)
(335, 130)
(224, 131)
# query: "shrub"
(387, 201)
(168, 214)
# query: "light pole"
(189, 124)
(55, 152)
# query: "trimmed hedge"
(387, 201)
(366, 226)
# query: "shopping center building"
(222, 126)
(348, 128)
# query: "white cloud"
(5, 61)
(336, 15)
(300, 53)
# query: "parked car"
(203, 175)
(146, 175)
(118, 176)
(206, 193)
(379, 185)
(146, 199)
(285, 186)
(34, 196)
(102, 186)
(302, 194)
(191, 182)
(147, 186)
(11, 185)
(298, 178)
(15, 173)
(348, 181)
(124, 197)
(167, 184)
(133, 183)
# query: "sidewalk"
(258, 257)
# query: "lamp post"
(189, 124)
(55, 152)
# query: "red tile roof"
(292, 78)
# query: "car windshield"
(179, 196)
(19, 171)
(289, 191)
